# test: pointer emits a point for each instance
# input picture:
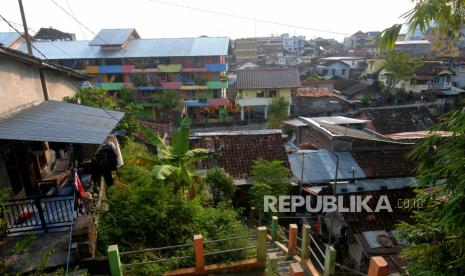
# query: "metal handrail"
(230, 239)
(229, 250)
(157, 261)
(351, 270)
(316, 258)
(317, 246)
(155, 249)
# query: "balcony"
(194, 69)
(220, 67)
(103, 69)
(127, 68)
(148, 88)
(171, 85)
(194, 87)
(217, 102)
(170, 68)
(111, 85)
(217, 84)
(92, 69)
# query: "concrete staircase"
(284, 262)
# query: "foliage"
(167, 101)
(400, 67)
(175, 162)
(147, 213)
(365, 100)
(448, 15)
(270, 178)
(277, 111)
(96, 97)
(313, 77)
(436, 243)
(220, 185)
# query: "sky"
(155, 19)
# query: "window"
(271, 93)
(333, 72)
(260, 94)
(343, 71)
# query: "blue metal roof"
(55, 121)
(6, 39)
(135, 48)
(320, 166)
(113, 37)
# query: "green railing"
(191, 253)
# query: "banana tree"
(175, 162)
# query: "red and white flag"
(78, 184)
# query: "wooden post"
(272, 264)
(378, 267)
(274, 228)
(198, 250)
(261, 245)
(252, 215)
(296, 270)
(292, 245)
(114, 260)
(330, 260)
(306, 232)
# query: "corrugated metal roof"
(320, 166)
(55, 121)
(339, 120)
(268, 78)
(8, 38)
(108, 37)
(135, 48)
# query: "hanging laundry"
(104, 162)
(113, 141)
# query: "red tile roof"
(313, 92)
(236, 151)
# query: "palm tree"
(166, 102)
(175, 162)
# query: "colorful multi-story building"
(193, 67)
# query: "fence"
(310, 252)
(39, 213)
(196, 253)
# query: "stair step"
(284, 263)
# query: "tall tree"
(277, 111)
(400, 67)
(446, 16)
(166, 102)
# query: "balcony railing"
(170, 68)
(217, 84)
(220, 67)
(40, 213)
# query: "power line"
(246, 17)
(31, 29)
(16, 30)
(77, 20)
(74, 14)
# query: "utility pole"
(43, 81)
(26, 33)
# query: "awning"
(55, 121)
